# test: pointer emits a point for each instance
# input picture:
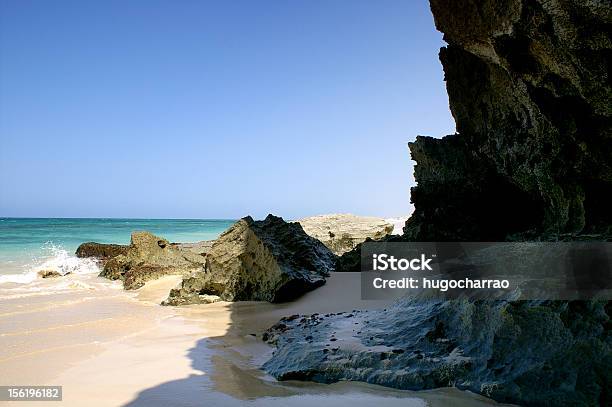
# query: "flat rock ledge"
(343, 232)
(270, 260)
(523, 352)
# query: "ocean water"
(28, 245)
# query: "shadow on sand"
(229, 371)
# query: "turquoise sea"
(27, 243)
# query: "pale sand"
(108, 347)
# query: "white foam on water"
(56, 259)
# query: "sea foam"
(57, 259)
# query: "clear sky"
(214, 109)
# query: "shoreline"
(108, 346)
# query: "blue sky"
(214, 109)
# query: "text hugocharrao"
(384, 262)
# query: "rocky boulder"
(342, 232)
(100, 251)
(149, 257)
(531, 353)
(269, 260)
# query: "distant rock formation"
(269, 260)
(149, 257)
(100, 251)
(342, 232)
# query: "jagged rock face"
(269, 260)
(552, 354)
(529, 88)
(100, 251)
(149, 257)
(342, 232)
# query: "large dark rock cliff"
(529, 88)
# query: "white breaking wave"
(58, 260)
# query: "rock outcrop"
(100, 251)
(342, 232)
(149, 257)
(529, 88)
(543, 354)
(269, 260)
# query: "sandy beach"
(110, 347)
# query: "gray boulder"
(269, 260)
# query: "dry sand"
(109, 347)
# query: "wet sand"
(109, 347)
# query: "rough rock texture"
(342, 232)
(149, 257)
(100, 251)
(529, 88)
(549, 354)
(269, 260)
(202, 248)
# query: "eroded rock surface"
(342, 232)
(269, 260)
(549, 353)
(149, 257)
(529, 88)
